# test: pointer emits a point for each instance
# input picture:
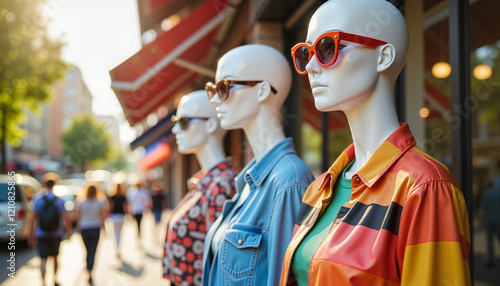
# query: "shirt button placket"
(357, 180)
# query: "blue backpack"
(49, 215)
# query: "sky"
(98, 36)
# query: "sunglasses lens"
(301, 58)
(184, 122)
(222, 90)
(325, 50)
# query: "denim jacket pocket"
(240, 248)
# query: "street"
(140, 264)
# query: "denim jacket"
(251, 250)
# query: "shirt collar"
(196, 181)
(257, 172)
(380, 161)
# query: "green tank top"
(304, 252)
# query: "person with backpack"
(90, 215)
(47, 216)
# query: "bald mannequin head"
(202, 129)
(246, 103)
(257, 62)
(360, 72)
(377, 19)
(255, 108)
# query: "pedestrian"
(139, 200)
(90, 216)
(47, 216)
(159, 200)
(490, 213)
(118, 209)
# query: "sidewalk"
(139, 264)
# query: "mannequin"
(247, 243)
(403, 219)
(197, 131)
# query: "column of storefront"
(414, 75)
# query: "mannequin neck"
(211, 154)
(371, 123)
(264, 132)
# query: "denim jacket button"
(240, 242)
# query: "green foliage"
(119, 161)
(86, 141)
(29, 64)
(116, 161)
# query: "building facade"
(71, 98)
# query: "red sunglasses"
(326, 49)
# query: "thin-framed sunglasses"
(184, 121)
(222, 87)
(326, 49)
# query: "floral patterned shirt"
(190, 220)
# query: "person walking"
(159, 202)
(490, 212)
(118, 209)
(47, 213)
(139, 200)
(90, 216)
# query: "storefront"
(449, 91)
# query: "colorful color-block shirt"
(405, 223)
(252, 248)
(190, 220)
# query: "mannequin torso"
(378, 235)
(251, 234)
(197, 131)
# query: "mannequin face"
(351, 79)
(241, 106)
(191, 139)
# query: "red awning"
(170, 63)
(154, 5)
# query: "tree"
(30, 63)
(120, 161)
(116, 160)
(86, 141)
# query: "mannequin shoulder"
(290, 170)
(424, 168)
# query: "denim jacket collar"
(255, 173)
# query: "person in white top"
(139, 200)
(90, 215)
